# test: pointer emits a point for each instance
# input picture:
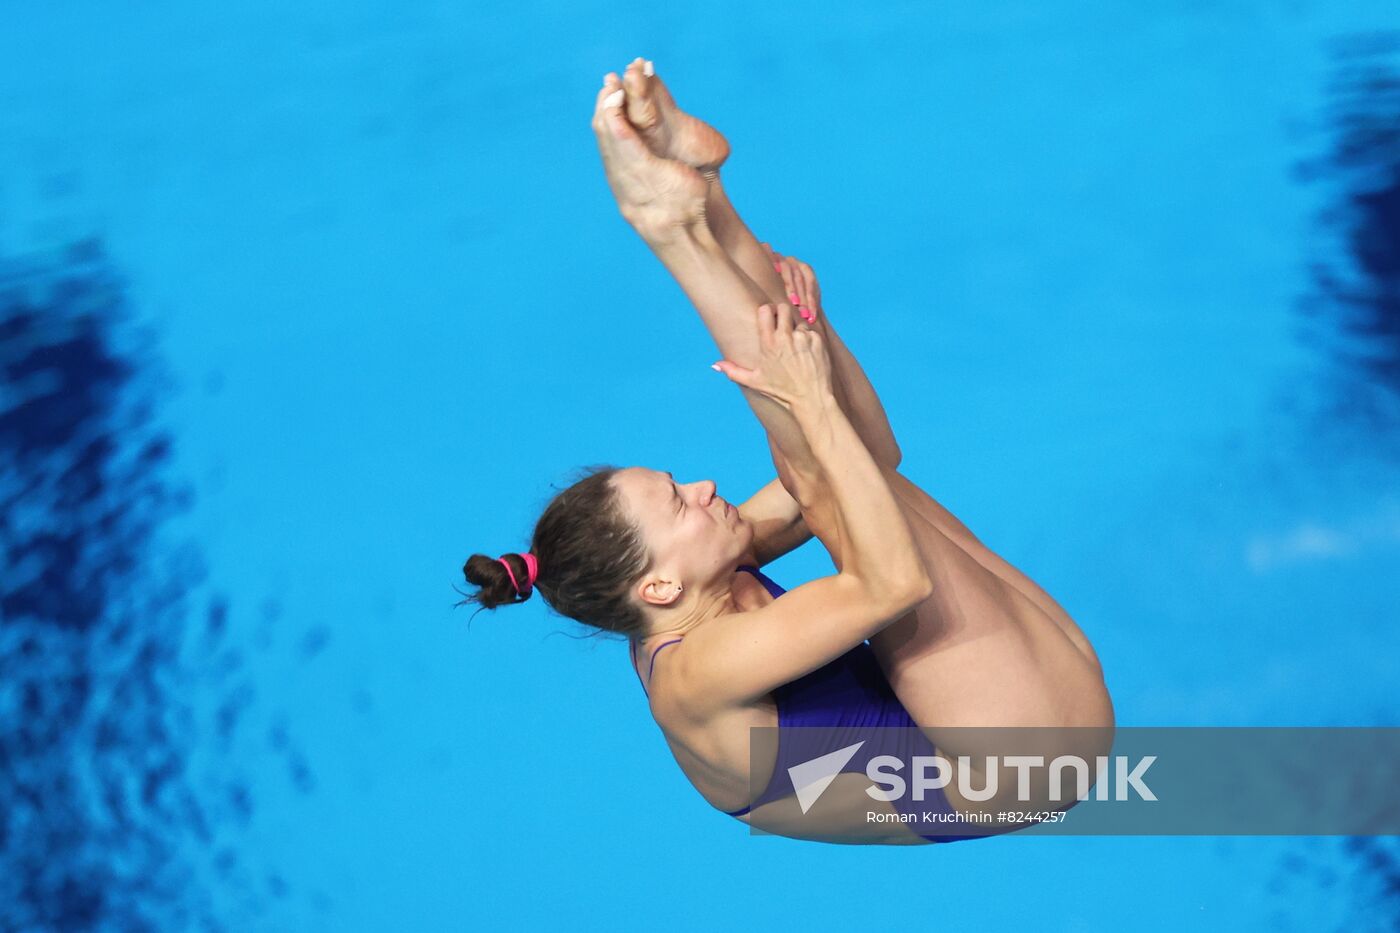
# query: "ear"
(657, 591)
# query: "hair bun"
(494, 581)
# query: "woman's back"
(846, 698)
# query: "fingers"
(775, 325)
(799, 283)
(801, 287)
(785, 320)
(778, 265)
(772, 256)
(805, 287)
(792, 364)
(736, 373)
(789, 284)
(778, 323)
(767, 326)
(811, 293)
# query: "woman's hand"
(793, 369)
(800, 283)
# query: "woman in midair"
(921, 626)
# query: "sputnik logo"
(812, 778)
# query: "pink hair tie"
(532, 567)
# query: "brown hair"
(589, 552)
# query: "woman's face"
(695, 536)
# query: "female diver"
(921, 626)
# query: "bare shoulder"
(735, 659)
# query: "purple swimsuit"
(848, 697)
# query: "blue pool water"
(301, 305)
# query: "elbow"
(899, 584)
(920, 589)
(905, 591)
(895, 594)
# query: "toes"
(641, 110)
(657, 90)
(610, 84)
(616, 121)
(632, 79)
(602, 96)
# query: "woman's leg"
(674, 134)
(940, 661)
(862, 406)
(978, 651)
(677, 135)
(990, 647)
(852, 388)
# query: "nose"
(707, 491)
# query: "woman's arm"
(778, 525)
(739, 656)
(725, 297)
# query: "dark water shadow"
(1352, 312)
(120, 805)
(1351, 317)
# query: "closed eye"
(675, 491)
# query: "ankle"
(691, 232)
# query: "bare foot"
(657, 196)
(668, 130)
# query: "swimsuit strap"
(768, 584)
(632, 649)
(658, 649)
(772, 587)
